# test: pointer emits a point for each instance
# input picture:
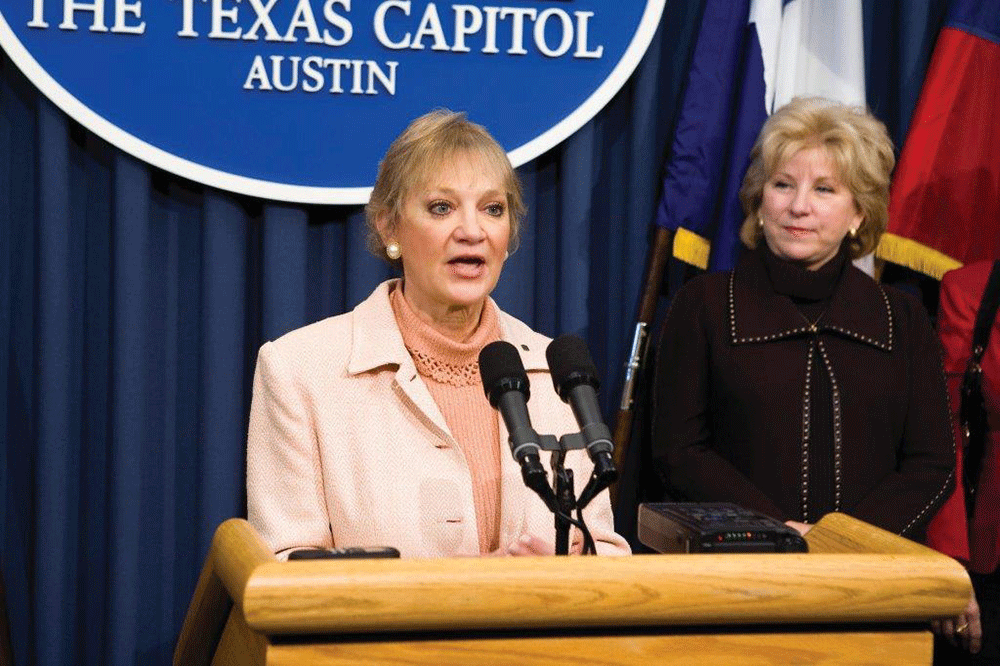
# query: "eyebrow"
(831, 178)
(431, 191)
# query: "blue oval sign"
(297, 100)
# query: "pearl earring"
(392, 250)
(853, 233)
(760, 221)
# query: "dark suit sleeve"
(907, 499)
(682, 436)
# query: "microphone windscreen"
(500, 361)
(569, 361)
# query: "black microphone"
(575, 379)
(506, 385)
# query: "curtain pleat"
(7, 232)
(54, 392)
(223, 362)
(93, 190)
(135, 353)
(18, 110)
(284, 272)
(160, 611)
(575, 190)
(190, 218)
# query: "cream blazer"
(347, 447)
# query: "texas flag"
(945, 205)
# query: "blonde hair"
(424, 146)
(854, 140)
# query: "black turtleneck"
(811, 292)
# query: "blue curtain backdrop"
(132, 304)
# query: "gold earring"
(392, 250)
(853, 233)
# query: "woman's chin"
(472, 287)
(468, 295)
(795, 253)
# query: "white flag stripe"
(821, 52)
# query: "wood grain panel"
(839, 533)
(237, 552)
(895, 648)
(205, 619)
(241, 646)
(420, 595)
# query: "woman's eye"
(440, 208)
(780, 185)
(826, 189)
(495, 209)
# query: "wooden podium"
(861, 595)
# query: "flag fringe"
(915, 255)
(691, 248)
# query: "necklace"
(813, 323)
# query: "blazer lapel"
(377, 342)
(860, 310)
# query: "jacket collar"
(376, 337)
(378, 342)
(859, 308)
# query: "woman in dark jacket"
(795, 384)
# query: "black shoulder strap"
(986, 314)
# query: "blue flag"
(696, 173)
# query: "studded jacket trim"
(859, 309)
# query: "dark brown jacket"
(732, 418)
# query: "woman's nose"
(470, 227)
(800, 202)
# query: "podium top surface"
(854, 573)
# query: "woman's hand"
(801, 527)
(531, 545)
(964, 630)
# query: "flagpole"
(659, 254)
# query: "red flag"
(945, 203)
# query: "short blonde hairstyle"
(854, 140)
(420, 151)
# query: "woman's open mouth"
(468, 266)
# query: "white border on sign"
(301, 193)
(583, 113)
